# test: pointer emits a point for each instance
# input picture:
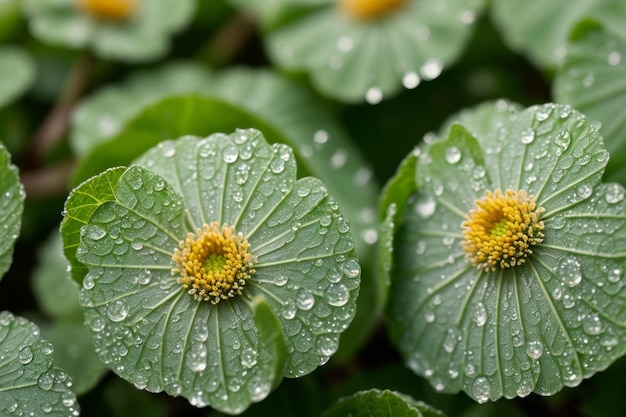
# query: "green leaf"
(592, 80)
(357, 61)
(381, 403)
(79, 207)
(540, 29)
(144, 36)
(11, 207)
(56, 292)
(535, 327)
(29, 385)
(305, 268)
(17, 72)
(74, 352)
(107, 112)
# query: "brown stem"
(56, 123)
(228, 40)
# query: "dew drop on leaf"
(351, 268)
(614, 193)
(117, 311)
(248, 357)
(453, 155)
(230, 153)
(481, 389)
(25, 356)
(615, 275)
(480, 314)
(614, 58)
(425, 206)
(534, 349)
(431, 69)
(527, 136)
(568, 269)
(337, 295)
(592, 324)
(280, 280)
(584, 191)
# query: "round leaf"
(540, 29)
(11, 207)
(29, 385)
(17, 72)
(381, 403)
(357, 61)
(225, 355)
(592, 80)
(535, 327)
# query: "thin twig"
(57, 121)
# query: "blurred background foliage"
(45, 84)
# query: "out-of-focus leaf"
(11, 207)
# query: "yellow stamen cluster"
(117, 10)
(369, 9)
(501, 229)
(214, 263)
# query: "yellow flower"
(501, 229)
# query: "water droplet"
(568, 269)
(481, 389)
(374, 95)
(25, 356)
(588, 80)
(45, 381)
(615, 275)
(431, 69)
(230, 153)
(196, 357)
(305, 300)
(592, 324)
(137, 245)
(248, 357)
(351, 268)
(410, 80)
(277, 165)
(425, 206)
(480, 314)
(543, 112)
(527, 136)
(534, 349)
(93, 232)
(563, 139)
(614, 58)
(453, 155)
(524, 389)
(289, 310)
(117, 311)
(614, 193)
(280, 280)
(344, 226)
(337, 295)
(584, 191)
(451, 339)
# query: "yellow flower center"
(369, 9)
(501, 229)
(118, 10)
(214, 263)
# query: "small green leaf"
(358, 61)
(79, 207)
(535, 327)
(17, 72)
(221, 355)
(592, 80)
(11, 207)
(29, 385)
(381, 404)
(541, 29)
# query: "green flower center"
(501, 229)
(117, 10)
(369, 9)
(214, 263)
